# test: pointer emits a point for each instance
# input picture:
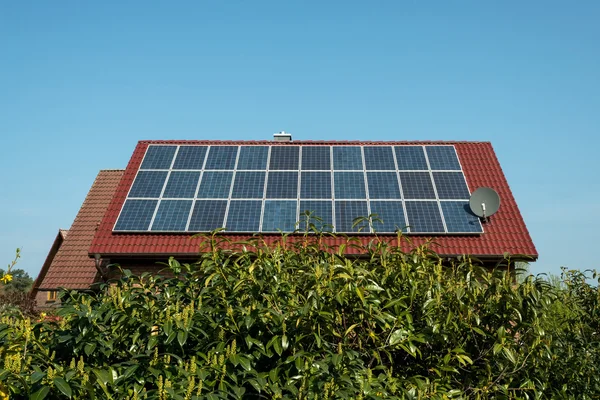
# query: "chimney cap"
(282, 136)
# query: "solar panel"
(315, 185)
(320, 214)
(215, 185)
(282, 185)
(451, 185)
(279, 215)
(249, 185)
(390, 216)
(460, 218)
(379, 158)
(424, 217)
(182, 184)
(190, 157)
(442, 157)
(158, 157)
(221, 157)
(172, 215)
(136, 215)
(148, 184)
(263, 188)
(243, 216)
(350, 185)
(347, 158)
(383, 185)
(346, 212)
(253, 157)
(411, 158)
(284, 157)
(417, 185)
(208, 215)
(316, 158)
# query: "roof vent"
(282, 137)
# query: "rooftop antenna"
(484, 202)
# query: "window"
(52, 295)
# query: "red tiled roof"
(71, 267)
(505, 233)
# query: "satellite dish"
(484, 202)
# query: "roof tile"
(72, 268)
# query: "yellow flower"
(6, 278)
(3, 393)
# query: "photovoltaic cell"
(182, 184)
(417, 185)
(284, 157)
(451, 185)
(279, 215)
(158, 157)
(459, 218)
(442, 157)
(390, 214)
(411, 158)
(320, 214)
(424, 217)
(383, 185)
(172, 215)
(215, 185)
(379, 158)
(347, 158)
(315, 185)
(282, 185)
(345, 214)
(221, 157)
(190, 157)
(244, 216)
(253, 157)
(349, 185)
(316, 158)
(208, 215)
(249, 185)
(148, 184)
(136, 215)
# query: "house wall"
(42, 302)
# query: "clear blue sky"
(82, 82)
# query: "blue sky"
(82, 82)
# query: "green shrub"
(296, 321)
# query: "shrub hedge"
(297, 321)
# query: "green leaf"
(398, 336)
(245, 363)
(359, 293)
(509, 354)
(277, 345)
(36, 376)
(350, 329)
(40, 394)
(89, 348)
(152, 342)
(182, 337)
(284, 342)
(63, 386)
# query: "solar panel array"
(190, 188)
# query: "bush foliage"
(296, 321)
